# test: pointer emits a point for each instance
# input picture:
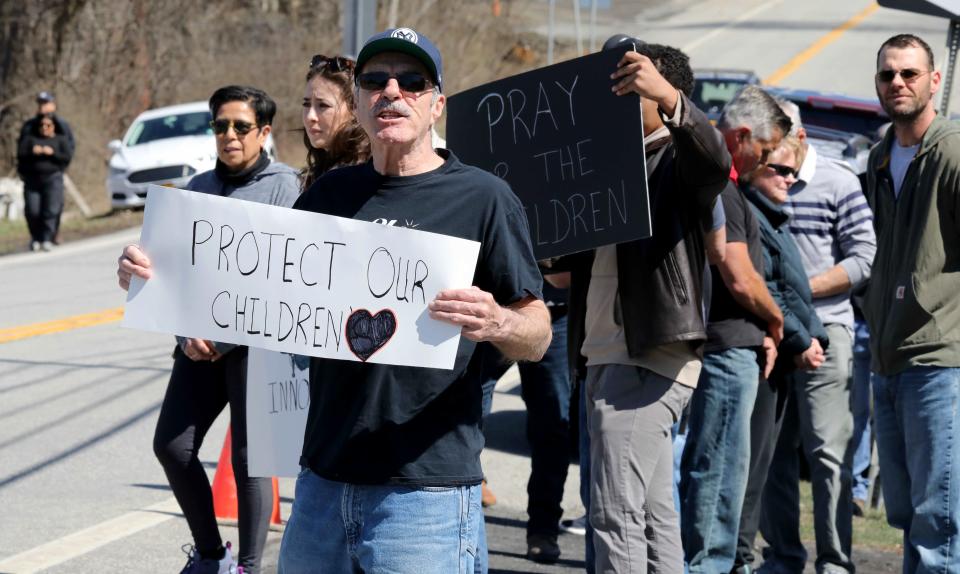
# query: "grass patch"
(14, 237)
(870, 531)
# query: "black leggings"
(197, 393)
(43, 205)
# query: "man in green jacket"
(913, 307)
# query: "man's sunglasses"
(907, 75)
(334, 63)
(782, 170)
(240, 127)
(408, 81)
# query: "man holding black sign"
(641, 313)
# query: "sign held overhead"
(570, 148)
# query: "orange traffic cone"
(225, 487)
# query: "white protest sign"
(278, 398)
(296, 282)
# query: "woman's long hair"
(348, 144)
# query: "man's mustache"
(388, 106)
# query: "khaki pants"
(630, 412)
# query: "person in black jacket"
(42, 156)
(47, 105)
(637, 308)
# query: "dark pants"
(196, 395)
(545, 388)
(765, 423)
(43, 205)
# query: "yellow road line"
(60, 325)
(831, 37)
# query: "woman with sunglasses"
(208, 375)
(768, 187)
(804, 337)
(41, 158)
(331, 133)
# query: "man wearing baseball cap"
(47, 104)
(391, 457)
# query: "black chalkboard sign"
(570, 148)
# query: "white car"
(165, 146)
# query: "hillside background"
(109, 60)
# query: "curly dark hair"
(349, 144)
(672, 64)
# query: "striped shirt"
(831, 224)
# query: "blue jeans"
(917, 422)
(345, 528)
(860, 404)
(716, 458)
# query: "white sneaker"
(576, 526)
(47, 246)
(195, 565)
(34, 246)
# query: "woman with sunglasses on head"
(41, 158)
(331, 133)
(208, 375)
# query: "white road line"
(89, 539)
(74, 248)
(717, 31)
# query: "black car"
(715, 87)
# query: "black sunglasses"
(408, 81)
(907, 74)
(332, 63)
(240, 127)
(782, 170)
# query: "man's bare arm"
(558, 280)
(715, 242)
(521, 331)
(748, 288)
(833, 281)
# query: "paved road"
(79, 487)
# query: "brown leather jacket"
(661, 277)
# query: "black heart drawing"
(367, 334)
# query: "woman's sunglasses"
(334, 64)
(408, 81)
(782, 170)
(240, 127)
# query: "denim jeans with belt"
(917, 423)
(341, 528)
(716, 458)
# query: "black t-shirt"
(384, 424)
(731, 325)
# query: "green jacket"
(912, 304)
